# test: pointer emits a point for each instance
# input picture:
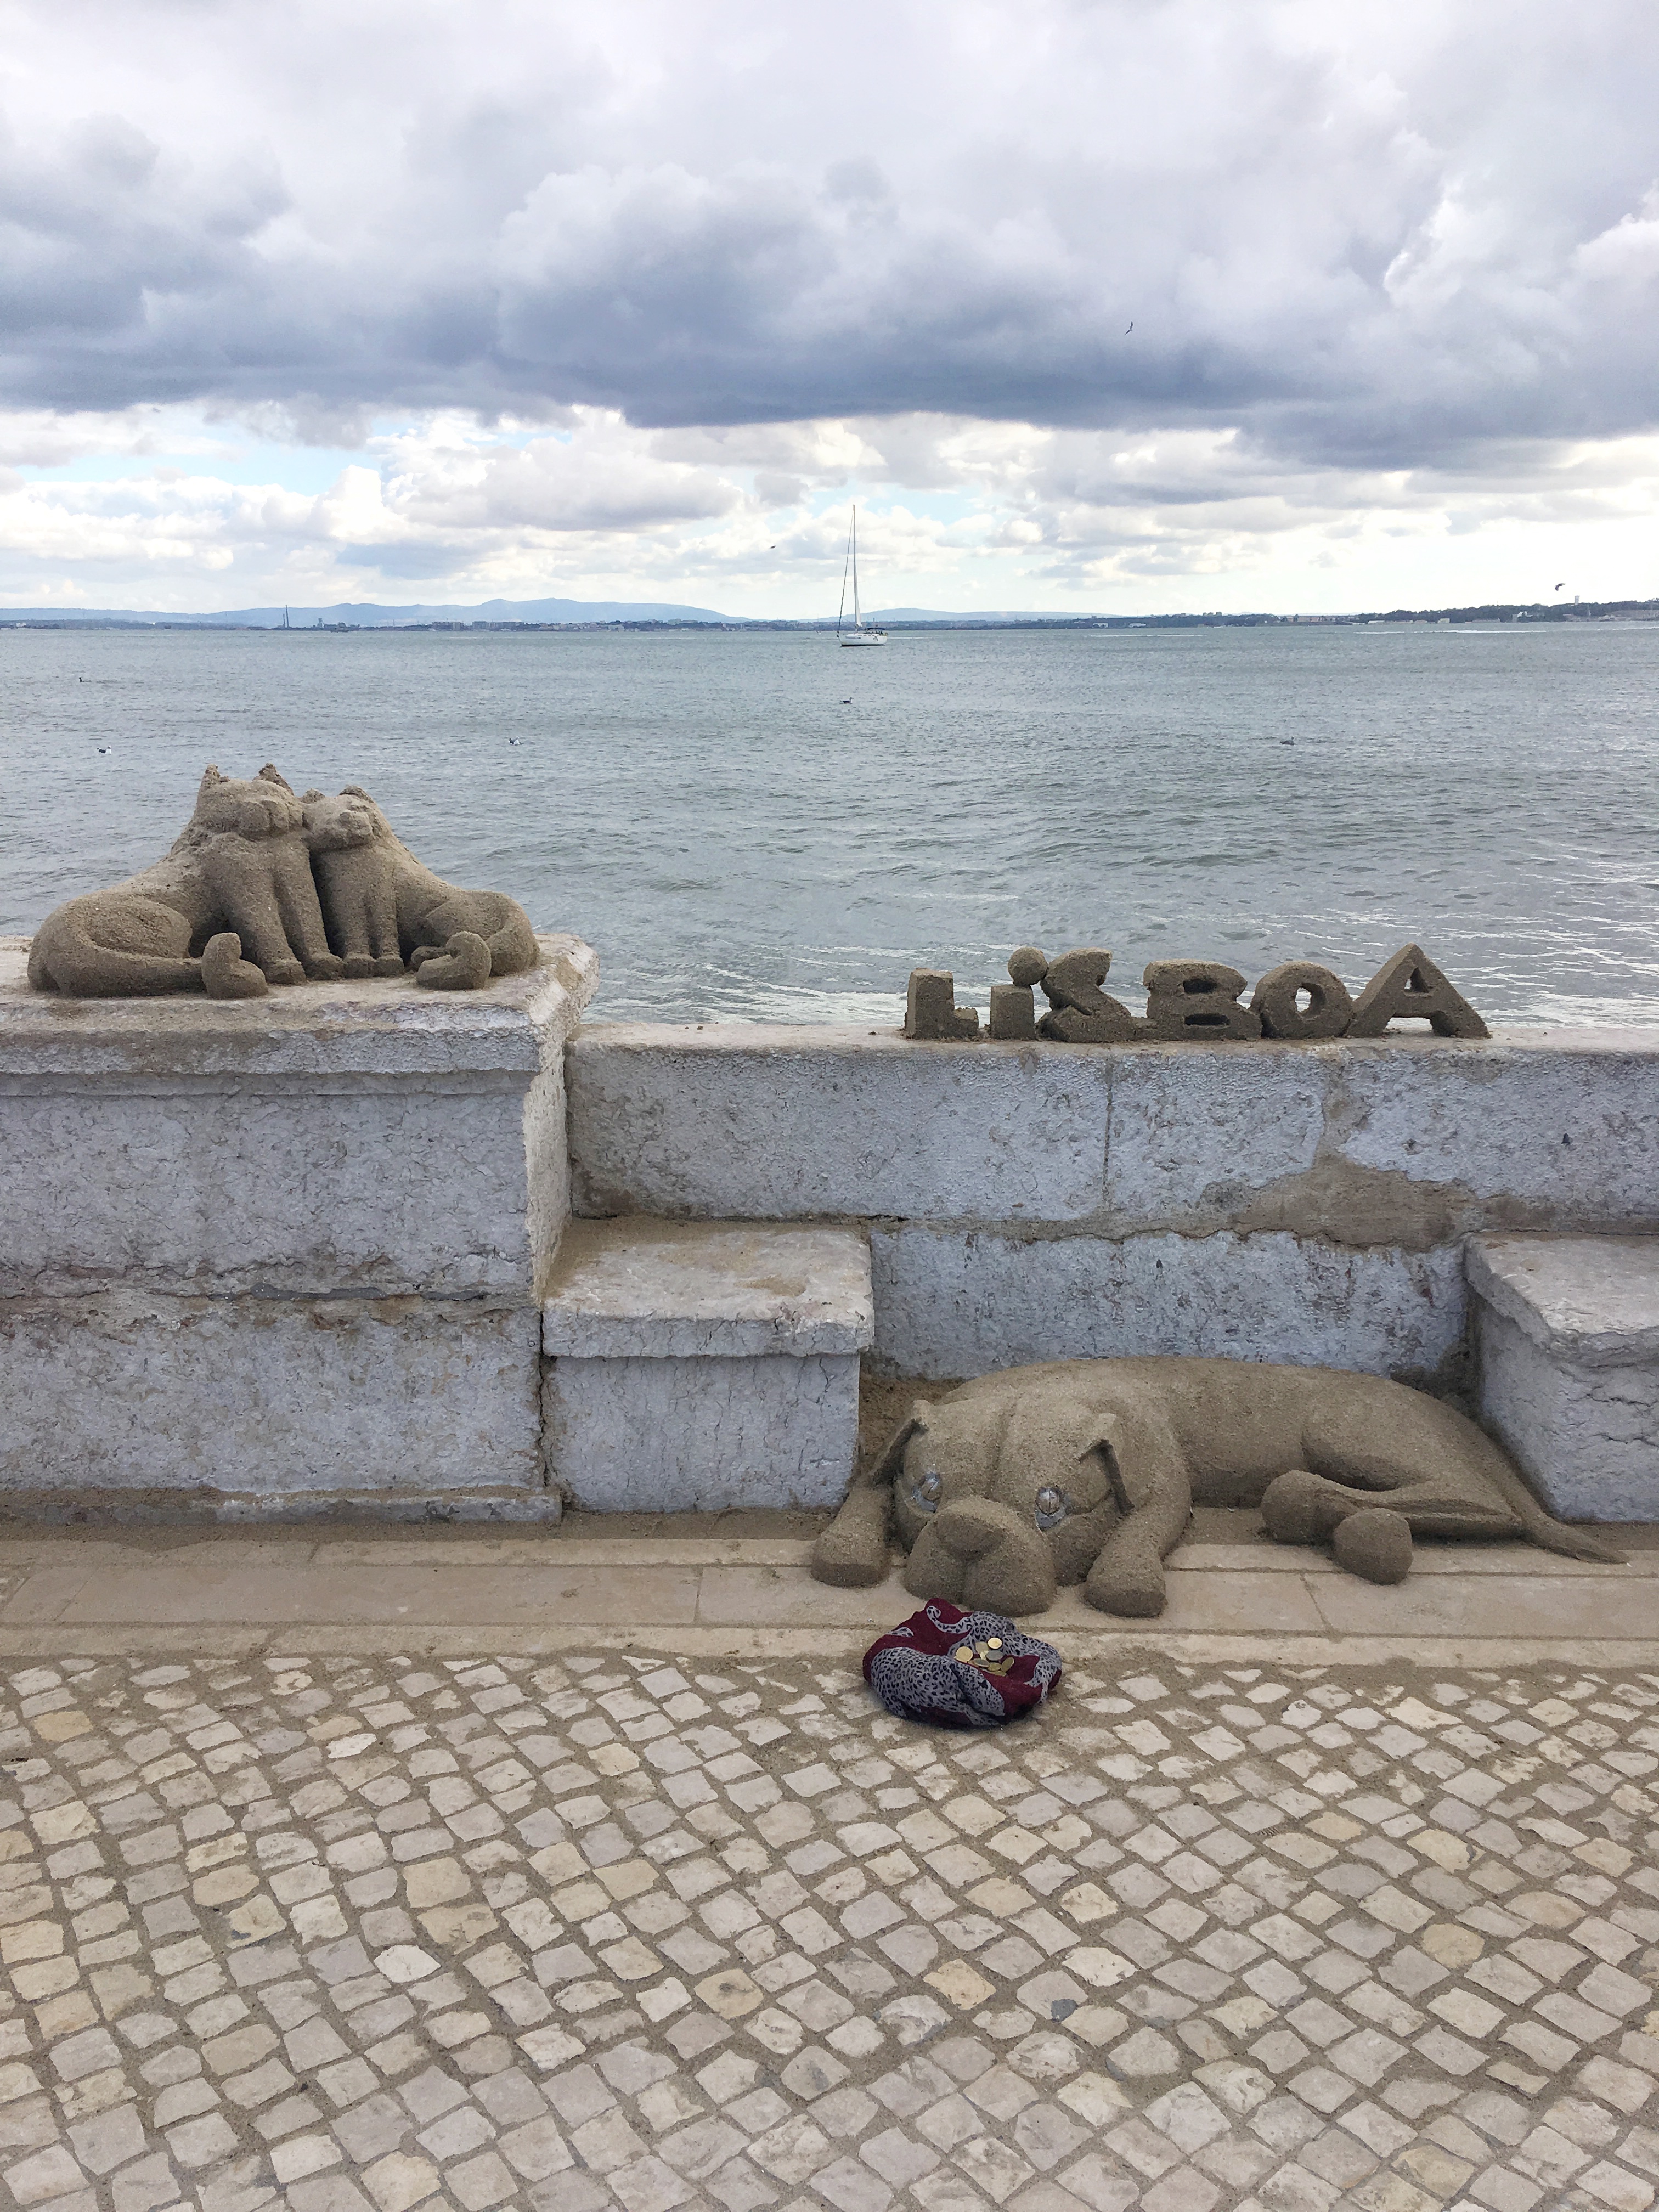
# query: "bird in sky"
(1561, 586)
(1127, 332)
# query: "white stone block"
(956, 1302)
(254, 1407)
(1196, 1130)
(1550, 1128)
(1407, 1140)
(779, 1123)
(635, 1287)
(1568, 1332)
(370, 1137)
(682, 1436)
(699, 1367)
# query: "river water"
(760, 826)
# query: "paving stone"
(603, 1931)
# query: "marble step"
(703, 1365)
(1567, 1329)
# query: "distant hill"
(364, 615)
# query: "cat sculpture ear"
(210, 776)
(312, 797)
(852, 1552)
(270, 774)
(354, 791)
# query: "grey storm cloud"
(1366, 235)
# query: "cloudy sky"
(461, 299)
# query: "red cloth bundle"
(959, 1669)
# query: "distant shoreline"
(1595, 611)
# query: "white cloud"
(1348, 229)
(620, 302)
(955, 513)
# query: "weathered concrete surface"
(636, 1287)
(1406, 1140)
(130, 1399)
(1568, 1335)
(680, 1435)
(370, 1137)
(1549, 1128)
(1196, 1130)
(951, 1302)
(785, 1122)
(371, 1188)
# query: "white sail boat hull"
(863, 637)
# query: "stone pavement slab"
(318, 1933)
(690, 1585)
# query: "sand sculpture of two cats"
(266, 886)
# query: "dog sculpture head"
(1000, 1500)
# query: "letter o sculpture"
(1326, 1015)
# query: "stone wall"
(308, 1251)
(1044, 1202)
(282, 1254)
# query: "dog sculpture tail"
(1542, 1526)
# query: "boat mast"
(858, 619)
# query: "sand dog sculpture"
(1189, 1001)
(1087, 1471)
(234, 907)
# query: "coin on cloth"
(960, 1669)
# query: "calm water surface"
(748, 826)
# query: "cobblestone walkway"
(385, 1933)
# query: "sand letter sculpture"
(1188, 1002)
(1087, 1471)
(264, 887)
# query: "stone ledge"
(1567, 1331)
(639, 1288)
(1593, 1300)
(370, 1137)
(386, 1028)
(1402, 1140)
(701, 1434)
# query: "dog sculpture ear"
(1101, 1449)
(880, 1476)
(852, 1552)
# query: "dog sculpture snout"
(979, 1553)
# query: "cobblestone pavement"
(614, 1931)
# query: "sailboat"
(861, 633)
